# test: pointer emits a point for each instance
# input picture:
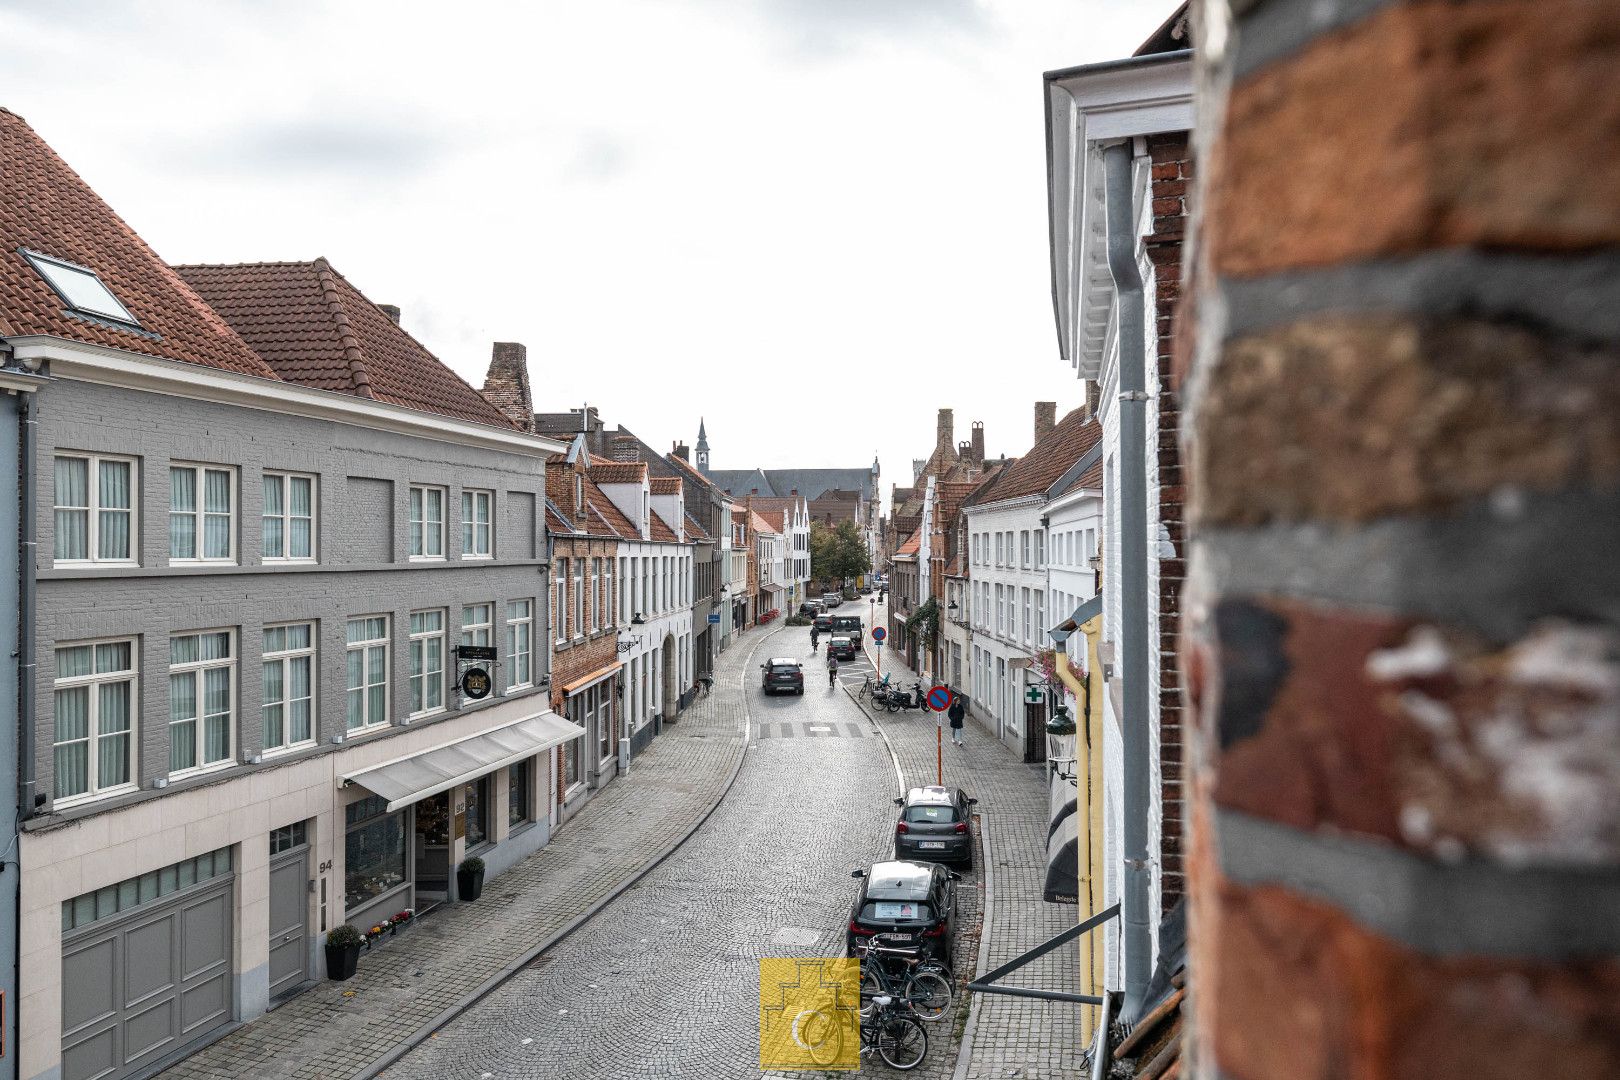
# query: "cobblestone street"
(1022, 1037)
(664, 982)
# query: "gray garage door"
(142, 978)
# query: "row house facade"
(265, 522)
(790, 519)
(1121, 169)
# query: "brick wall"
(1172, 173)
(1401, 650)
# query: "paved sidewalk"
(338, 1029)
(1022, 1037)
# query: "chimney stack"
(945, 435)
(682, 451)
(625, 449)
(1045, 418)
(978, 442)
(506, 383)
(1093, 397)
(390, 310)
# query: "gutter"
(1124, 63)
(1128, 288)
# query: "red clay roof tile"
(1046, 461)
(310, 324)
(46, 207)
(617, 472)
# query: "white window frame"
(199, 524)
(196, 669)
(93, 732)
(999, 553)
(419, 522)
(607, 591)
(479, 631)
(365, 647)
(1040, 549)
(471, 498)
(559, 607)
(596, 594)
(1023, 549)
(517, 658)
(287, 517)
(579, 599)
(418, 647)
(93, 509)
(284, 657)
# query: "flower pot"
(469, 884)
(341, 961)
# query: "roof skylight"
(81, 288)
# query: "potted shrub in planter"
(342, 952)
(470, 878)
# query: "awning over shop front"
(592, 679)
(410, 779)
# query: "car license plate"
(939, 844)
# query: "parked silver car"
(936, 825)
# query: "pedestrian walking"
(958, 713)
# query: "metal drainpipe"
(26, 410)
(1128, 288)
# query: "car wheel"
(801, 691)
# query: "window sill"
(276, 754)
(370, 729)
(201, 770)
(487, 557)
(75, 802)
(416, 717)
(515, 829)
(94, 564)
(427, 558)
(185, 564)
(276, 560)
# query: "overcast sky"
(813, 222)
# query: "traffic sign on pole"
(878, 633)
(939, 698)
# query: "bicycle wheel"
(871, 986)
(929, 993)
(902, 1042)
(818, 1033)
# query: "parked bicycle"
(902, 972)
(891, 1029)
(895, 699)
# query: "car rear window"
(778, 669)
(931, 814)
(896, 911)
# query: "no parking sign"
(939, 698)
(878, 633)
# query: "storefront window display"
(374, 850)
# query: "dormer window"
(80, 289)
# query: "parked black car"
(844, 648)
(811, 608)
(783, 673)
(912, 900)
(935, 825)
(823, 624)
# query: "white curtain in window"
(182, 721)
(274, 707)
(217, 719)
(274, 540)
(73, 741)
(301, 509)
(298, 693)
(182, 514)
(216, 514)
(113, 723)
(72, 508)
(113, 521)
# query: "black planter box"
(341, 962)
(469, 884)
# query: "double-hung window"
(607, 591)
(289, 685)
(427, 661)
(427, 522)
(202, 697)
(1023, 549)
(201, 528)
(96, 691)
(95, 509)
(579, 598)
(519, 643)
(288, 520)
(1027, 613)
(596, 595)
(1001, 609)
(999, 552)
(1040, 613)
(477, 537)
(559, 604)
(477, 624)
(1040, 549)
(368, 672)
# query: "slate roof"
(46, 207)
(780, 483)
(1046, 462)
(695, 531)
(311, 324)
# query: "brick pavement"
(1022, 1037)
(339, 1029)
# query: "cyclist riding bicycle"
(832, 670)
